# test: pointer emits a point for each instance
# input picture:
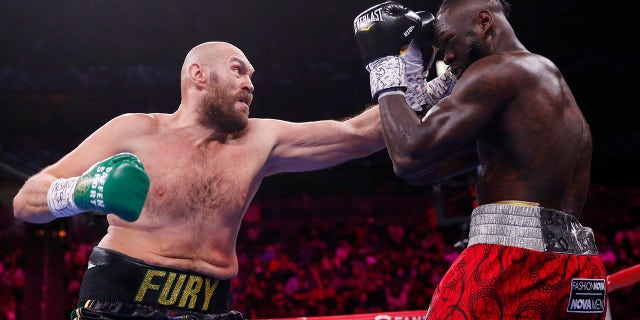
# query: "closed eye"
(442, 44)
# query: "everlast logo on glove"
(407, 32)
(384, 30)
(365, 21)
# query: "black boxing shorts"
(116, 286)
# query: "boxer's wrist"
(413, 59)
(423, 94)
(60, 198)
(439, 88)
(387, 75)
(415, 93)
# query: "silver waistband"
(530, 227)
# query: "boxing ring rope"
(623, 278)
(397, 315)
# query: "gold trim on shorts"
(519, 203)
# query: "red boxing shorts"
(523, 262)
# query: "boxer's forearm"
(116, 185)
(369, 125)
(30, 204)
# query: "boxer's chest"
(195, 183)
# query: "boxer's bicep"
(120, 134)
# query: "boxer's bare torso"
(202, 184)
(199, 192)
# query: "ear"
(196, 73)
(485, 20)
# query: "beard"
(218, 108)
(474, 51)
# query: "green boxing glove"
(117, 185)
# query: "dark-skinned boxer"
(512, 113)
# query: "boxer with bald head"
(175, 188)
(511, 113)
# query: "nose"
(247, 84)
(448, 57)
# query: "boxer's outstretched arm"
(316, 145)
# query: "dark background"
(66, 67)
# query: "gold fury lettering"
(183, 294)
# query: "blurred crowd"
(303, 258)
(12, 262)
(12, 279)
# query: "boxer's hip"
(528, 226)
(113, 277)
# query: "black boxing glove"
(381, 33)
(419, 57)
(384, 30)
(425, 37)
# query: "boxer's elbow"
(412, 171)
(19, 207)
(420, 180)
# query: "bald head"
(209, 52)
(202, 61)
